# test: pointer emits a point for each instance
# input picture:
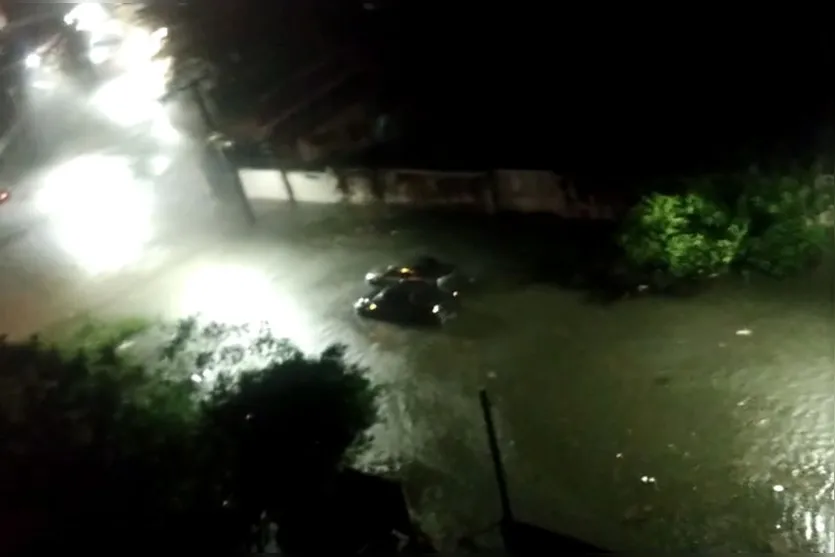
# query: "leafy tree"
(282, 421)
(763, 222)
(90, 434)
(681, 236)
(167, 436)
(786, 233)
(239, 50)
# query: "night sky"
(628, 90)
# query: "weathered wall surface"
(504, 190)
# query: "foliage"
(86, 432)
(768, 223)
(684, 236)
(241, 49)
(784, 248)
(292, 425)
(92, 337)
(786, 235)
(176, 428)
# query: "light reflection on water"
(575, 385)
(589, 399)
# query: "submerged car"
(423, 269)
(408, 302)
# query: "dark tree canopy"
(254, 43)
(106, 433)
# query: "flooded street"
(664, 423)
(651, 423)
(699, 423)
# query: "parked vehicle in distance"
(408, 303)
(423, 269)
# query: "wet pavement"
(662, 423)
(648, 421)
(672, 423)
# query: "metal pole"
(218, 152)
(202, 106)
(238, 187)
(496, 456)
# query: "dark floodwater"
(699, 423)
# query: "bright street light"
(99, 55)
(33, 61)
(237, 294)
(103, 216)
(88, 16)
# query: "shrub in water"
(786, 234)
(681, 236)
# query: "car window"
(107, 41)
(391, 296)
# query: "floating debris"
(744, 333)
(648, 479)
(778, 488)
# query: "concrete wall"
(525, 191)
(306, 187)
(506, 190)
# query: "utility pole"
(496, 457)
(206, 116)
(216, 161)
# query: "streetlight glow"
(33, 61)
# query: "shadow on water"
(359, 514)
(541, 249)
(475, 323)
(520, 538)
(580, 255)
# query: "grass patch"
(88, 334)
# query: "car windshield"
(392, 295)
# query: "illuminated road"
(105, 193)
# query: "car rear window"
(107, 41)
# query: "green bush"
(767, 223)
(185, 433)
(681, 236)
(784, 248)
(785, 235)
